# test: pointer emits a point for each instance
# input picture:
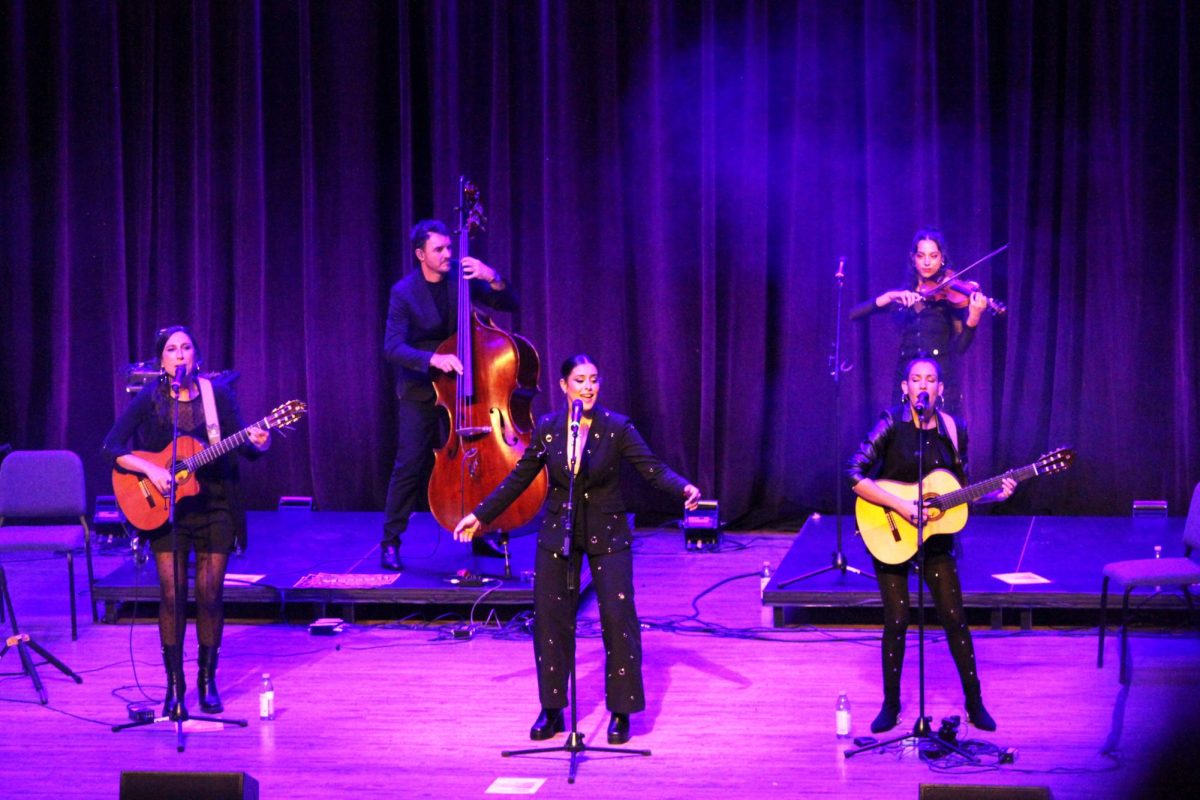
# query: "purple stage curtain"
(669, 186)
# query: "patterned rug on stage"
(342, 580)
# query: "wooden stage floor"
(736, 708)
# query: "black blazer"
(600, 508)
(414, 328)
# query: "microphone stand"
(836, 368)
(177, 564)
(574, 743)
(923, 729)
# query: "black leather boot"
(548, 723)
(618, 728)
(173, 706)
(977, 714)
(888, 716)
(206, 681)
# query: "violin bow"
(976, 263)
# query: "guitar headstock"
(1055, 461)
(285, 414)
(470, 213)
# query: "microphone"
(576, 413)
(922, 403)
(177, 381)
(841, 273)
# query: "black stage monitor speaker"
(188, 786)
(950, 791)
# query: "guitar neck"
(210, 454)
(969, 494)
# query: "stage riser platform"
(337, 555)
(1068, 552)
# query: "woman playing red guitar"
(209, 522)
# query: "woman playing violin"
(939, 324)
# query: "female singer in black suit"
(601, 530)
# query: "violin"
(957, 293)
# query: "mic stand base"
(178, 723)
(574, 745)
(838, 563)
(922, 731)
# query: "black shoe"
(548, 723)
(482, 546)
(389, 557)
(206, 681)
(618, 728)
(978, 716)
(888, 717)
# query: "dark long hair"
(934, 235)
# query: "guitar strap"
(951, 430)
(212, 423)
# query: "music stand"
(24, 643)
(836, 368)
(574, 743)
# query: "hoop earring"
(941, 402)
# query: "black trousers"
(553, 629)
(420, 429)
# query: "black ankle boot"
(977, 715)
(206, 681)
(887, 718)
(173, 706)
(548, 723)
(618, 728)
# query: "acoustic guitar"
(146, 508)
(893, 539)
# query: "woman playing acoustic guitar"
(210, 522)
(889, 452)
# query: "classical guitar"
(893, 539)
(146, 508)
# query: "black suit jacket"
(414, 328)
(600, 507)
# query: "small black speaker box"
(188, 786)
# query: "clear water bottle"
(767, 619)
(842, 716)
(1158, 554)
(266, 698)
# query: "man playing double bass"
(421, 315)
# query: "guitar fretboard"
(210, 454)
(969, 494)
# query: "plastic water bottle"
(1158, 554)
(842, 716)
(266, 698)
(767, 620)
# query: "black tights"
(172, 605)
(946, 591)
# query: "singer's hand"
(691, 497)
(975, 309)
(160, 477)
(466, 528)
(909, 509)
(446, 362)
(1007, 487)
(259, 438)
(904, 298)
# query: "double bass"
(489, 405)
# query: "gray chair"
(39, 490)
(1182, 572)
